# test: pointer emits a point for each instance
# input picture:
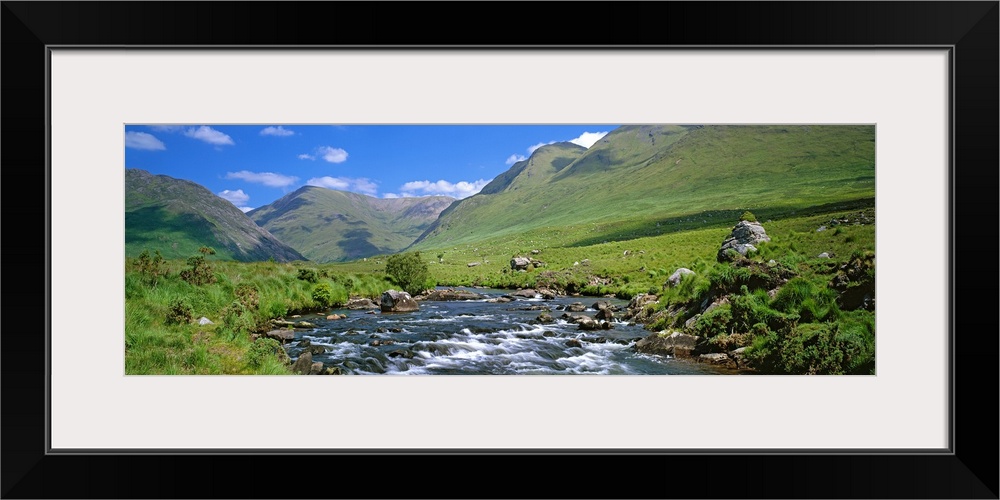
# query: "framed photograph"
(911, 85)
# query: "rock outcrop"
(675, 279)
(742, 239)
(396, 301)
(677, 344)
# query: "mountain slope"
(638, 176)
(327, 225)
(177, 217)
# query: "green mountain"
(177, 217)
(646, 180)
(328, 225)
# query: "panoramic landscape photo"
(615, 249)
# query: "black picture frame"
(970, 470)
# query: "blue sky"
(254, 165)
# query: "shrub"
(180, 312)
(714, 322)
(198, 272)
(238, 320)
(248, 295)
(308, 275)
(261, 350)
(150, 267)
(408, 271)
(327, 295)
(749, 217)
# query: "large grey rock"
(742, 239)
(303, 365)
(396, 301)
(527, 293)
(204, 321)
(675, 279)
(281, 335)
(519, 263)
(676, 344)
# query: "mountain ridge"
(177, 216)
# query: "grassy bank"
(162, 335)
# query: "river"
(477, 337)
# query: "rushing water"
(477, 337)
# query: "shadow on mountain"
(155, 225)
(356, 245)
(290, 205)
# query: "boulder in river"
(303, 365)
(396, 301)
(280, 335)
(743, 238)
(587, 323)
(526, 293)
(605, 313)
(573, 343)
(576, 307)
(544, 318)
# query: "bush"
(248, 295)
(409, 272)
(817, 349)
(308, 275)
(749, 217)
(237, 320)
(261, 350)
(150, 267)
(180, 312)
(714, 322)
(327, 295)
(198, 272)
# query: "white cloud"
(142, 140)
(461, 189)
(332, 155)
(209, 135)
(238, 197)
(587, 139)
(278, 131)
(270, 179)
(391, 195)
(245, 209)
(531, 149)
(358, 185)
(512, 159)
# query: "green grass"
(633, 185)
(154, 345)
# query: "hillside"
(648, 180)
(177, 217)
(327, 225)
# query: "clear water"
(484, 338)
